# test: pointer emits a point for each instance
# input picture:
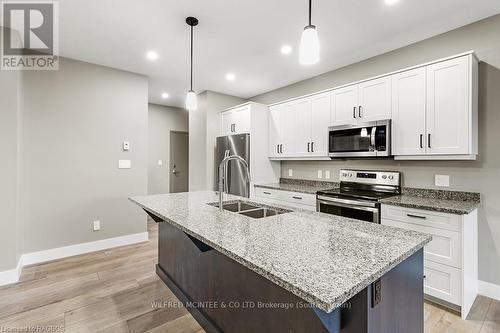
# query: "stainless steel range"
(359, 194)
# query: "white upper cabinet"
(320, 120)
(344, 105)
(302, 128)
(275, 130)
(435, 110)
(448, 106)
(408, 112)
(374, 100)
(236, 121)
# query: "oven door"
(363, 140)
(357, 209)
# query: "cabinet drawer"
(299, 198)
(445, 247)
(422, 217)
(267, 193)
(443, 282)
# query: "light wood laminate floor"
(117, 290)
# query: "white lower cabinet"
(287, 198)
(450, 258)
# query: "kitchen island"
(299, 271)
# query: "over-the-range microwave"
(371, 139)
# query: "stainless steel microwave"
(371, 139)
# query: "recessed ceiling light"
(286, 49)
(230, 76)
(391, 2)
(152, 55)
(164, 95)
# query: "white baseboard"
(12, 276)
(488, 289)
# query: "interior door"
(448, 107)
(301, 129)
(375, 100)
(408, 116)
(275, 130)
(179, 161)
(320, 118)
(344, 105)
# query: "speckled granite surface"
(323, 259)
(300, 185)
(459, 207)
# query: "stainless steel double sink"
(251, 209)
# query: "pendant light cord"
(310, 11)
(191, 58)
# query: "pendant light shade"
(309, 43)
(191, 99)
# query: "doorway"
(179, 161)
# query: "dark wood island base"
(225, 296)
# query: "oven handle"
(329, 200)
(367, 209)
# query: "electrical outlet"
(126, 145)
(327, 174)
(97, 225)
(160, 162)
(124, 164)
(290, 172)
(320, 174)
(442, 180)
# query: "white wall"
(481, 175)
(162, 120)
(75, 120)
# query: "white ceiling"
(245, 37)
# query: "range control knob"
(384, 176)
(391, 177)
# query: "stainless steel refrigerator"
(234, 145)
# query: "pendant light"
(191, 99)
(309, 43)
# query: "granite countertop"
(299, 185)
(459, 207)
(323, 259)
(452, 202)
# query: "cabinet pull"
(429, 140)
(308, 147)
(421, 141)
(267, 193)
(359, 111)
(354, 113)
(277, 149)
(416, 216)
(312, 147)
(281, 148)
(298, 198)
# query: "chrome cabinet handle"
(281, 148)
(429, 140)
(277, 149)
(266, 193)
(312, 147)
(416, 216)
(308, 147)
(359, 112)
(298, 198)
(421, 141)
(354, 112)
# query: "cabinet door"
(275, 126)
(242, 120)
(408, 112)
(375, 100)
(227, 121)
(448, 107)
(300, 131)
(344, 105)
(320, 119)
(289, 121)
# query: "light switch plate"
(97, 225)
(327, 174)
(290, 172)
(442, 180)
(126, 145)
(124, 164)
(320, 174)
